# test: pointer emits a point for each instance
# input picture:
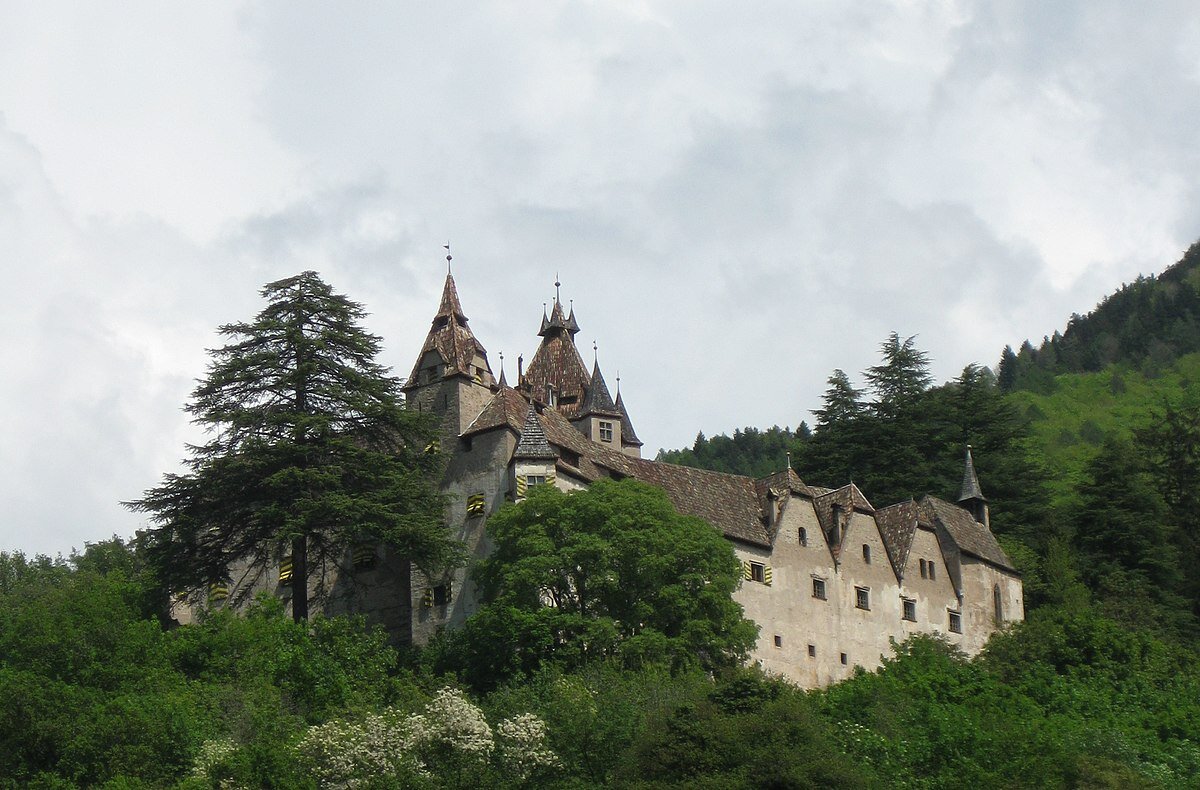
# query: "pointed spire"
(450, 306)
(628, 436)
(572, 324)
(596, 399)
(545, 322)
(457, 350)
(533, 444)
(970, 481)
(503, 382)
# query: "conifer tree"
(309, 449)
(903, 374)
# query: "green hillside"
(1069, 422)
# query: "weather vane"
(449, 257)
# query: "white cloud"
(738, 199)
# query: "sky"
(738, 197)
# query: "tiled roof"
(726, 501)
(970, 481)
(969, 535)
(450, 337)
(848, 497)
(596, 399)
(628, 436)
(533, 444)
(897, 525)
(556, 363)
(506, 408)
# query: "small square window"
(535, 480)
(845, 659)
(606, 431)
(441, 594)
(955, 622)
(862, 597)
(812, 651)
(866, 554)
(778, 640)
(910, 609)
(758, 572)
(819, 589)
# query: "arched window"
(998, 603)
(803, 536)
(866, 554)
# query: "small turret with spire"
(971, 496)
(556, 366)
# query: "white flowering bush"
(450, 736)
(523, 749)
(213, 754)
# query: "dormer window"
(606, 431)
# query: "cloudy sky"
(738, 197)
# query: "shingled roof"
(596, 399)
(726, 501)
(628, 437)
(532, 444)
(557, 364)
(897, 525)
(450, 337)
(968, 535)
(506, 408)
(970, 481)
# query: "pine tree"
(309, 447)
(842, 401)
(903, 374)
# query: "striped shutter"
(475, 505)
(217, 592)
(522, 486)
(433, 447)
(747, 574)
(550, 475)
(427, 597)
(285, 569)
(364, 557)
(767, 574)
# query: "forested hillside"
(632, 678)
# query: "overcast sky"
(738, 197)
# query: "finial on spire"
(618, 382)
(557, 285)
(595, 353)
(789, 460)
(449, 257)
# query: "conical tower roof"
(970, 482)
(451, 338)
(556, 365)
(627, 433)
(533, 444)
(596, 399)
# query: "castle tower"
(556, 375)
(971, 497)
(598, 417)
(451, 376)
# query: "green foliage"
(310, 446)
(748, 452)
(612, 570)
(749, 731)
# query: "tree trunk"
(300, 579)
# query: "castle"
(830, 579)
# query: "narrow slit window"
(866, 554)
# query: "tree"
(842, 402)
(310, 447)
(611, 571)
(903, 374)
